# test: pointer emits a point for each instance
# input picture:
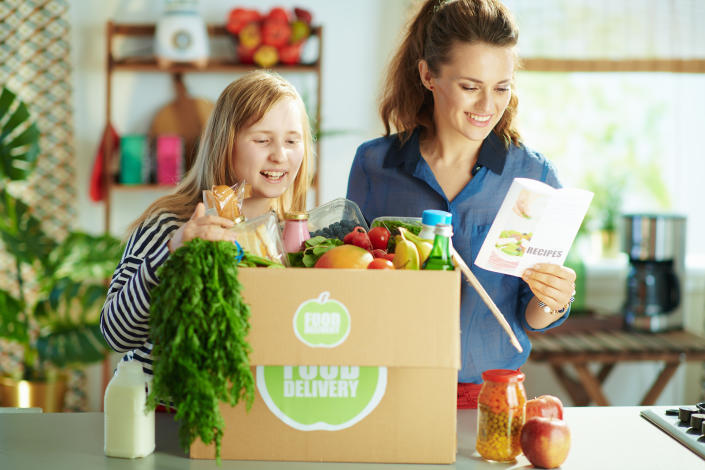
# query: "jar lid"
(503, 375)
(297, 215)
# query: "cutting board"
(186, 116)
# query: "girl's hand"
(552, 284)
(205, 227)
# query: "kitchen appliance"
(680, 425)
(181, 35)
(655, 244)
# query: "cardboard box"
(383, 350)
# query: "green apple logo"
(322, 322)
(321, 398)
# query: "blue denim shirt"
(390, 179)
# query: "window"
(614, 94)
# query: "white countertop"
(603, 438)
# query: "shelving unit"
(142, 64)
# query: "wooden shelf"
(141, 187)
(219, 64)
(149, 64)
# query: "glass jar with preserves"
(500, 414)
(295, 231)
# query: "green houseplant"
(52, 305)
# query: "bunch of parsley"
(199, 324)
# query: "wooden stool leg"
(660, 383)
(591, 384)
(572, 386)
(605, 371)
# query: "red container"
(170, 150)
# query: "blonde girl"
(259, 133)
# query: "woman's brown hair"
(243, 103)
(439, 24)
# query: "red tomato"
(380, 263)
(379, 236)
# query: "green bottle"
(439, 259)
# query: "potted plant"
(51, 304)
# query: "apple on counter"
(545, 441)
(544, 405)
(545, 436)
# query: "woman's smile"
(479, 120)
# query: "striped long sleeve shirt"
(124, 320)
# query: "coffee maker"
(655, 244)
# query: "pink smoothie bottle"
(295, 231)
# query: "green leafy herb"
(253, 261)
(313, 249)
(199, 324)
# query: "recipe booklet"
(536, 223)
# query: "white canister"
(129, 428)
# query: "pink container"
(295, 231)
(170, 150)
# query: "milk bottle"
(129, 430)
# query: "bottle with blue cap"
(429, 219)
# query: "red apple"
(545, 405)
(545, 441)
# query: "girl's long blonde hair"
(243, 103)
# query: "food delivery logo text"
(321, 398)
(322, 322)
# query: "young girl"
(258, 132)
(449, 95)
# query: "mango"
(345, 257)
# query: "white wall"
(358, 39)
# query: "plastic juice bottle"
(129, 429)
(429, 219)
(295, 231)
(439, 259)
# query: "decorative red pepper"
(240, 17)
(303, 15)
(358, 237)
(275, 33)
(290, 54)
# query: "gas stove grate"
(670, 423)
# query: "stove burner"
(685, 424)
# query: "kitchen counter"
(602, 438)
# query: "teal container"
(134, 163)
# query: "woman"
(449, 96)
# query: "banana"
(423, 246)
(406, 256)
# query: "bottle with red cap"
(500, 414)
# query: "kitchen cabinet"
(117, 64)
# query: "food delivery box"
(350, 366)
